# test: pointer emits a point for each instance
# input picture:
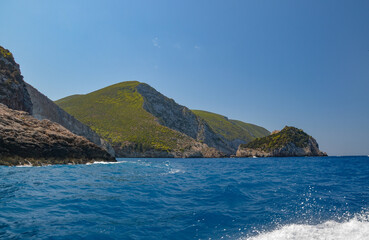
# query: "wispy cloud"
(197, 47)
(155, 42)
(177, 45)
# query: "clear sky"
(272, 63)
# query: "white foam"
(26, 165)
(356, 228)
(174, 171)
(105, 162)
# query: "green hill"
(232, 130)
(116, 114)
(139, 121)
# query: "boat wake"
(356, 228)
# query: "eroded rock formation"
(26, 140)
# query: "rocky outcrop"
(190, 149)
(172, 115)
(48, 142)
(44, 108)
(13, 92)
(289, 142)
(26, 140)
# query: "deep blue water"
(186, 199)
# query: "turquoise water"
(263, 198)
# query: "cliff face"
(18, 95)
(13, 92)
(289, 142)
(172, 115)
(44, 108)
(26, 140)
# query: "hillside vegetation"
(116, 114)
(5, 53)
(136, 118)
(287, 135)
(231, 129)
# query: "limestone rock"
(181, 119)
(13, 92)
(44, 108)
(26, 140)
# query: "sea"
(229, 198)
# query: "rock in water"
(26, 140)
(289, 142)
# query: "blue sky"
(272, 63)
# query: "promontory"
(289, 142)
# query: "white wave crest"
(26, 165)
(356, 228)
(105, 162)
(174, 171)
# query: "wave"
(174, 171)
(356, 228)
(26, 165)
(105, 162)
(48, 165)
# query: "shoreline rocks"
(25, 140)
(192, 150)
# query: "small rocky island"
(289, 142)
(25, 140)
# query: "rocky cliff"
(13, 92)
(18, 95)
(189, 148)
(177, 117)
(26, 140)
(44, 108)
(289, 142)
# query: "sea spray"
(356, 228)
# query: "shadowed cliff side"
(44, 108)
(13, 92)
(26, 140)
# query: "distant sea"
(235, 198)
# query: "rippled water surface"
(263, 198)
